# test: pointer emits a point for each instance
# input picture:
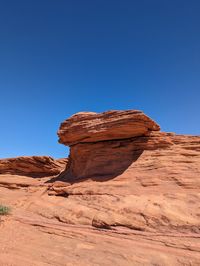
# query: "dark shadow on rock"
(101, 161)
(116, 171)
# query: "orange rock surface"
(104, 145)
(143, 210)
(30, 165)
(93, 127)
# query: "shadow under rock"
(101, 161)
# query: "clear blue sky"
(61, 57)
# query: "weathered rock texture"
(105, 145)
(147, 215)
(92, 127)
(108, 159)
(32, 165)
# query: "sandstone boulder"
(104, 145)
(92, 127)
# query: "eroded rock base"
(148, 215)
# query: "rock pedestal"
(104, 145)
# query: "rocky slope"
(131, 200)
(32, 165)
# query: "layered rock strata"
(140, 205)
(104, 145)
(32, 165)
(111, 125)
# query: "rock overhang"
(84, 127)
(105, 144)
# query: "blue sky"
(61, 57)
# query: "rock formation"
(32, 165)
(127, 197)
(112, 125)
(105, 145)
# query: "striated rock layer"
(105, 144)
(93, 127)
(108, 159)
(32, 165)
(148, 215)
(143, 210)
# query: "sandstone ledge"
(110, 125)
(32, 165)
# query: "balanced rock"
(92, 127)
(104, 145)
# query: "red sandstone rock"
(32, 165)
(111, 125)
(146, 214)
(104, 145)
(108, 159)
